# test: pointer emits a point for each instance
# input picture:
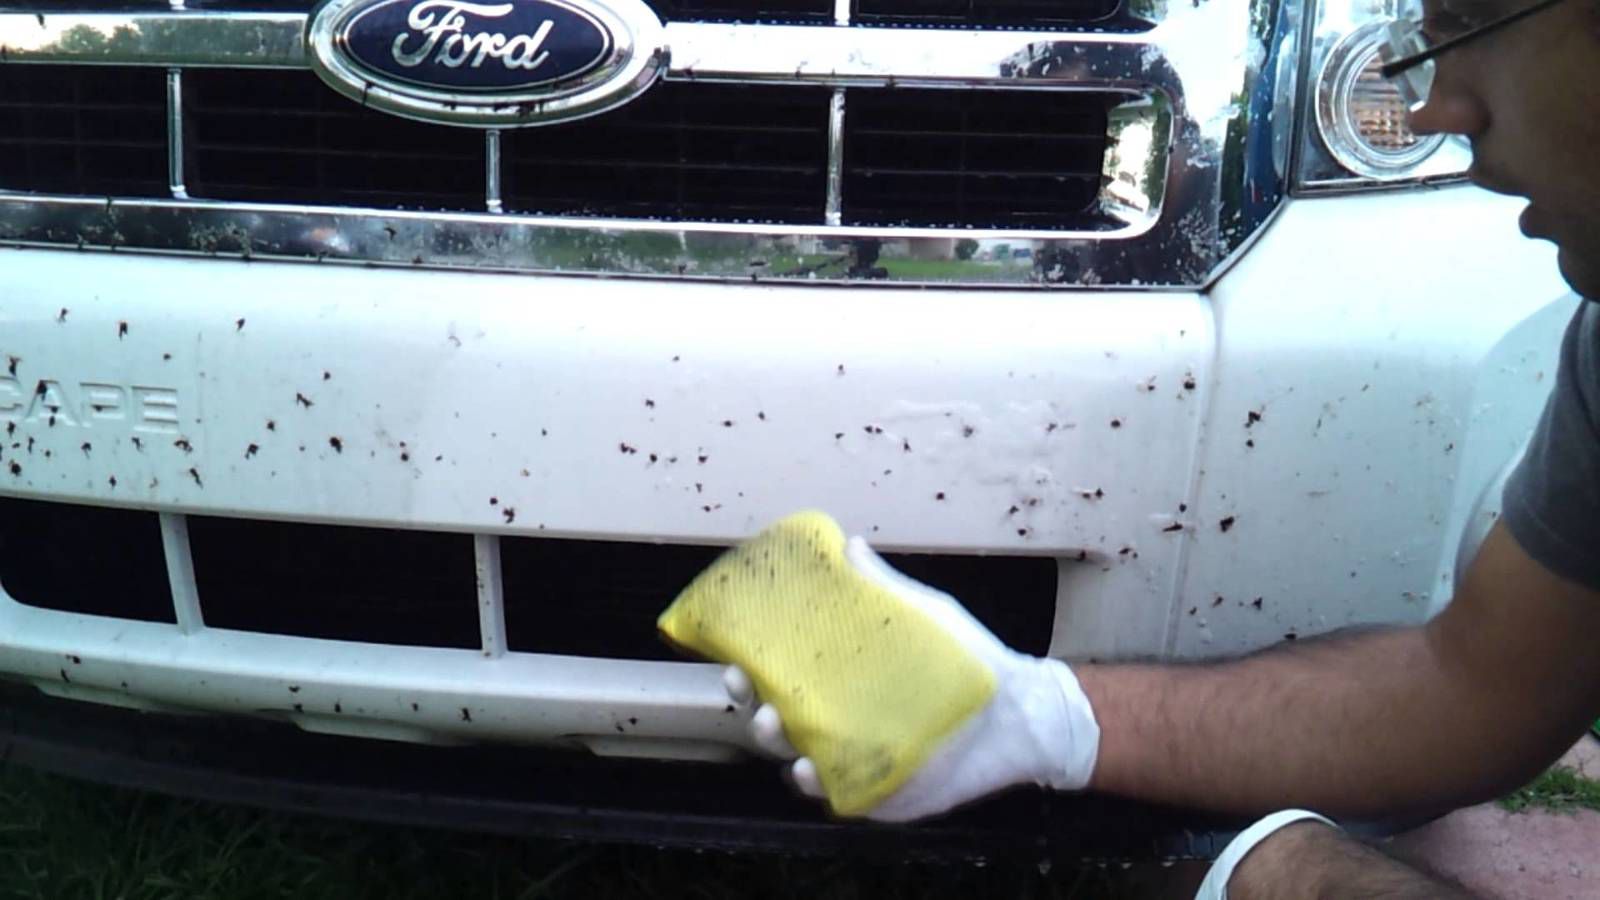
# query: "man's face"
(1528, 97)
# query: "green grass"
(65, 840)
(1559, 789)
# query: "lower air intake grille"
(682, 151)
(84, 559)
(83, 130)
(418, 588)
(1017, 159)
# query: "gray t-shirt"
(1552, 500)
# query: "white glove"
(1037, 727)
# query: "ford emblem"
(489, 64)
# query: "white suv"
(383, 367)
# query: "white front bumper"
(1103, 425)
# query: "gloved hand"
(1038, 727)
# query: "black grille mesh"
(287, 137)
(83, 130)
(683, 150)
(83, 559)
(1013, 159)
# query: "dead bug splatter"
(1217, 602)
(1250, 442)
(872, 429)
(299, 707)
(41, 388)
(649, 404)
(1226, 523)
(702, 458)
(1022, 532)
(271, 425)
(64, 676)
(238, 325)
(1116, 423)
(1188, 382)
(122, 330)
(11, 365)
(338, 707)
(466, 714)
(16, 468)
(303, 400)
(184, 445)
(1175, 526)
(1183, 507)
(166, 357)
(761, 415)
(1251, 418)
(838, 435)
(727, 423)
(326, 375)
(840, 370)
(195, 474)
(62, 316)
(939, 496)
(510, 514)
(1013, 510)
(1291, 636)
(967, 430)
(625, 447)
(112, 481)
(138, 444)
(86, 447)
(336, 444)
(698, 487)
(653, 458)
(250, 451)
(1256, 603)
(11, 428)
(494, 501)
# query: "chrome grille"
(1060, 143)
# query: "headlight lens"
(1360, 135)
(1361, 115)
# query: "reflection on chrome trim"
(510, 242)
(1195, 164)
(491, 171)
(175, 134)
(833, 212)
(176, 38)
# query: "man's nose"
(1450, 112)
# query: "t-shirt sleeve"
(1552, 500)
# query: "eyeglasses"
(1411, 45)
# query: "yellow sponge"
(867, 684)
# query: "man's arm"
(1367, 723)
(1310, 861)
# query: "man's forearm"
(1355, 724)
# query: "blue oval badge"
(475, 47)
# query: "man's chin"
(1581, 271)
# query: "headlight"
(1358, 135)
